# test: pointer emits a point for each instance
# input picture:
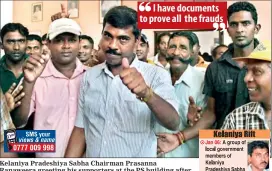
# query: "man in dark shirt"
(224, 77)
(13, 36)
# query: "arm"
(164, 112)
(32, 69)
(21, 114)
(76, 146)
(77, 141)
(171, 141)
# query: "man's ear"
(257, 28)
(248, 159)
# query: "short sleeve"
(162, 86)
(80, 109)
(208, 82)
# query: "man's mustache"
(186, 61)
(113, 52)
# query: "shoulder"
(153, 74)
(196, 72)
(244, 109)
(95, 70)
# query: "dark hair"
(87, 38)
(44, 37)
(34, 37)
(195, 39)
(256, 144)
(122, 17)
(243, 6)
(186, 34)
(217, 47)
(12, 27)
(162, 35)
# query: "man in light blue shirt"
(188, 82)
(121, 100)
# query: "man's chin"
(16, 58)
(113, 64)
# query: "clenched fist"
(134, 80)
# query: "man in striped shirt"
(257, 113)
(120, 100)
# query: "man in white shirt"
(160, 58)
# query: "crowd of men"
(115, 102)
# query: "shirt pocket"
(134, 117)
(93, 103)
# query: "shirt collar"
(186, 77)
(250, 169)
(227, 56)
(50, 70)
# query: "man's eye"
(233, 25)
(123, 39)
(172, 47)
(72, 40)
(10, 42)
(58, 40)
(106, 35)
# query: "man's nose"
(66, 44)
(16, 46)
(240, 28)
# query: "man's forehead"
(14, 35)
(260, 150)
(85, 42)
(179, 39)
(241, 16)
(33, 43)
(119, 31)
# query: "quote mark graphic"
(217, 26)
(146, 8)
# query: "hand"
(166, 142)
(194, 112)
(133, 80)
(13, 97)
(34, 67)
(62, 14)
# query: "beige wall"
(89, 18)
